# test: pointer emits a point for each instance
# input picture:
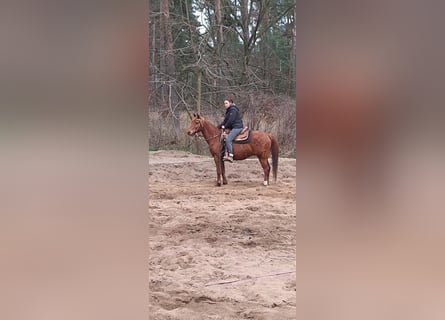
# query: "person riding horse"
(261, 145)
(234, 122)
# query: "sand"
(220, 252)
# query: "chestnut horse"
(260, 145)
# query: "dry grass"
(272, 114)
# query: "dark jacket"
(232, 118)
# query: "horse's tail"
(274, 148)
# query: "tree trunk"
(218, 82)
(245, 36)
(293, 54)
(220, 37)
(168, 91)
(162, 50)
(198, 100)
(198, 105)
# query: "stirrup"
(228, 158)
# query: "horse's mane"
(205, 120)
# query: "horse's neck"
(209, 130)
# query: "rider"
(234, 122)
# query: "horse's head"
(195, 125)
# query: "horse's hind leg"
(266, 168)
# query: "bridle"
(200, 130)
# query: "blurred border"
(369, 160)
(74, 189)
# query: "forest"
(202, 52)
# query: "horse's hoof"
(265, 183)
(218, 184)
(224, 182)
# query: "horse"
(260, 145)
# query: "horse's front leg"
(218, 161)
(223, 171)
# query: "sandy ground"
(220, 252)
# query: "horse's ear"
(194, 114)
(198, 116)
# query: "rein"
(211, 137)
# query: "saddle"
(242, 137)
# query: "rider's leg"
(233, 133)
